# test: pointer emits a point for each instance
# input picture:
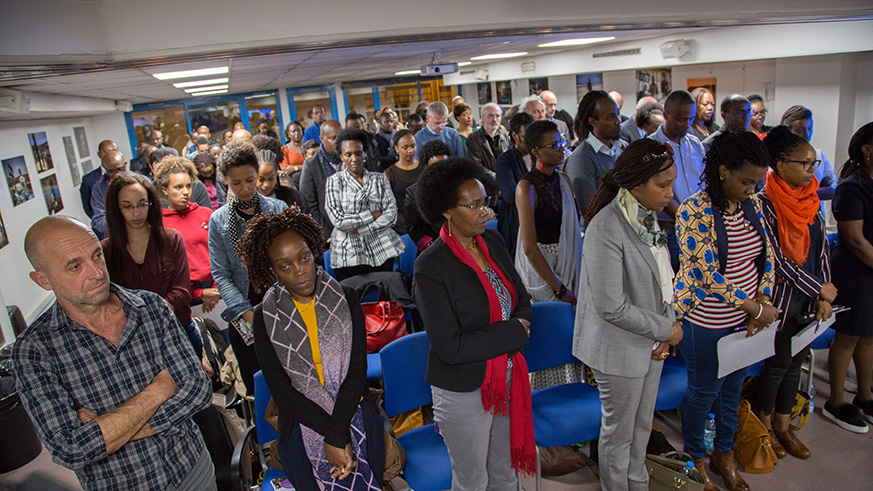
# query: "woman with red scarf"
(475, 311)
(796, 229)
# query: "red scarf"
(494, 393)
(795, 210)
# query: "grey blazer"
(620, 312)
(312, 183)
(629, 131)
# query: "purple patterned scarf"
(291, 343)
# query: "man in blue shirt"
(679, 112)
(92, 177)
(107, 375)
(314, 131)
(112, 163)
(436, 129)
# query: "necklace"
(472, 246)
(307, 306)
(737, 220)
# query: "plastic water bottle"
(709, 434)
(811, 393)
(688, 470)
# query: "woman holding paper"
(724, 283)
(796, 229)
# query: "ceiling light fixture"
(575, 42)
(408, 72)
(211, 92)
(202, 72)
(206, 89)
(498, 56)
(198, 83)
(465, 63)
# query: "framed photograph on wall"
(655, 82)
(52, 194)
(87, 167)
(18, 180)
(4, 239)
(71, 160)
(41, 154)
(484, 90)
(537, 85)
(504, 92)
(81, 142)
(586, 82)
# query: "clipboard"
(736, 351)
(808, 334)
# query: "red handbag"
(385, 322)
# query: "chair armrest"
(235, 474)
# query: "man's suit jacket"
(479, 150)
(312, 182)
(629, 131)
(88, 182)
(568, 120)
(621, 311)
(454, 307)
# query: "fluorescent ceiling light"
(191, 73)
(206, 89)
(465, 63)
(198, 83)
(408, 72)
(211, 92)
(576, 42)
(498, 56)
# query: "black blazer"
(454, 308)
(312, 186)
(293, 405)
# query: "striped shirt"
(502, 292)
(744, 246)
(61, 366)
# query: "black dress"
(549, 206)
(853, 200)
(400, 180)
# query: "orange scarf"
(795, 211)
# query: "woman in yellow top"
(311, 344)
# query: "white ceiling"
(107, 49)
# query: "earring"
(721, 177)
(449, 225)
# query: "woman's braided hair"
(253, 246)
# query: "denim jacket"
(227, 269)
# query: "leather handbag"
(385, 323)
(665, 473)
(752, 443)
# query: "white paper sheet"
(214, 314)
(808, 334)
(736, 351)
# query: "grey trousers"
(201, 477)
(628, 410)
(478, 442)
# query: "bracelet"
(560, 292)
(760, 311)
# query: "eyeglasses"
(559, 143)
(808, 165)
(762, 112)
(742, 113)
(141, 206)
(666, 153)
(480, 207)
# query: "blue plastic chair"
(374, 366)
(327, 263)
(492, 224)
(564, 414)
(673, 384)
(406, 260)
(404, 360)
(263, 433)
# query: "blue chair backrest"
(551, 336)
(406, 261)
(265, 432)
(327, 263)
(492, 224)
(404, 361)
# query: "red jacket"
(193, 224)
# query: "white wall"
(16, 287)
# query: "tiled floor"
(841, 461)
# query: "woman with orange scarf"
(796, 228)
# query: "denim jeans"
(672, 245)
(706, 392)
